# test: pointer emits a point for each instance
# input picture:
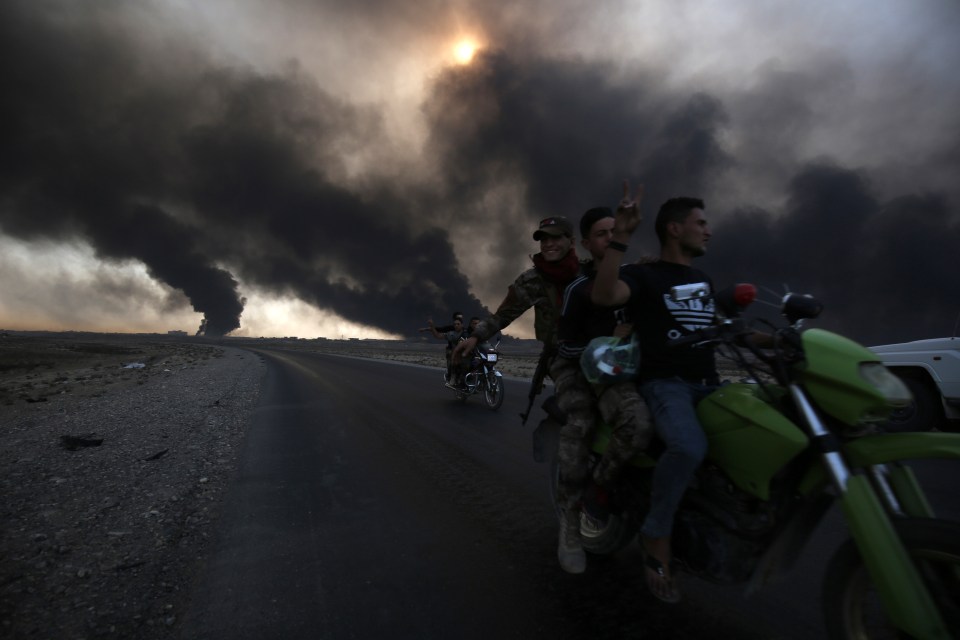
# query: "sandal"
(663, 586)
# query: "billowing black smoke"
(210, 174)
(202, 172)
(569, 134)
(885, 270)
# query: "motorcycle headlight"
(892, 387)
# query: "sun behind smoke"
(464, 50)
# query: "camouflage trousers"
(619, 405)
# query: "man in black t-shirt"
(672, 380)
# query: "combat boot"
(570, 551)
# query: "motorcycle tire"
(493, 392)
(617, 532)
(851, 606)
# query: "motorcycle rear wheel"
(493, 391)
(851, 606)
(617, 532)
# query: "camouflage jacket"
(530, 289)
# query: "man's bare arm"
(463, 348)
(512, 307)
(608, 289)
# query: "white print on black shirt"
(689, 314)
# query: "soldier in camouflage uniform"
(618, 404)
(540, 287)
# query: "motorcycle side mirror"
(693, 291)
(732, 300)
(800, 306)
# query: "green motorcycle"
(783, 446)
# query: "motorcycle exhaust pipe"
(472, 379)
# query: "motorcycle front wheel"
(493, 391)
(851, 605)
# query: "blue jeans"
(672, 403)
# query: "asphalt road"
(372, 504)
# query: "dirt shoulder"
(112, 476)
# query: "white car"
(931, 369)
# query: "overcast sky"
(301, 167)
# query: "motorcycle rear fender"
(886, 448)
(545, 437)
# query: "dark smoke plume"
(885, 270)
(201, 172)
(567, 132)
(212, 174)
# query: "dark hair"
(674, 210)
(472, 318)
(590, 218)
(457, 314)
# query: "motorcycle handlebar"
(731, 327)
(700, 335)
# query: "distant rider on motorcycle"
(453, 337)
(430, 328)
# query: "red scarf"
(562, 272)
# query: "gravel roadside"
(111, 479)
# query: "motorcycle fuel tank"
(748, 438)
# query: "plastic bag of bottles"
(606, 360)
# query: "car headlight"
(892, 387)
